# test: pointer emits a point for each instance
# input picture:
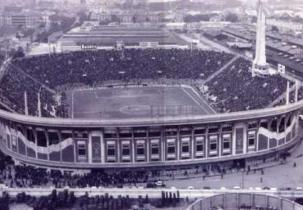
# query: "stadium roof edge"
(139, 122)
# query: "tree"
(163, 198)
(231, 17)
(178, 196)
(146, 200)
(4, 201)
(19, 53)
(275, 29)
(174, 200)
(53, 196)
(170, 198)
(140, 201)
(115, 18)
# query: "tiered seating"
(235, 89)
(95, 67)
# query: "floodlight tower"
(260, 66)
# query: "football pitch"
(136, 102)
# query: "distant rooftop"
(128, 34)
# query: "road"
(288, 176)
(152, 193)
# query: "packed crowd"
(91, 68)
(235, 89)
(133, 64)
(231, 90)
(13, 86)
(22, 176)
(27, 176)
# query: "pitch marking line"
(195, 100)
(203, 100)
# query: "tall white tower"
(260, 66)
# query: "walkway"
(221, 70)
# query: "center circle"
(136, 109)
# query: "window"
(155, 147)
(171, 132)
(251, 142)
(226, 145)
(139, 134)
(213, 146)
(41, 138)
(82, 150)
(30, 135)
(155, 150)
(226, 141)
(251, 138)
(200, 147)
(171, 146)
(214, 129)
(154, 133)
(213, 143)
(252, 125)
(111, 150)
(125, 150)
(227, 127)
(199, 144)
(80, 134)
(110, 135)
(125, 135)
(140, 149)
(264, 124)
(53, 137)
(185, 144)
(185, 131)
(200, 131)
(185, 147)
(66, 135)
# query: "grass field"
(136, 102)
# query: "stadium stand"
(13, 85)
(95, 67)
(234, 89)
(99, 66)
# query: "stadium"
(149, 108)
(137, 97)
